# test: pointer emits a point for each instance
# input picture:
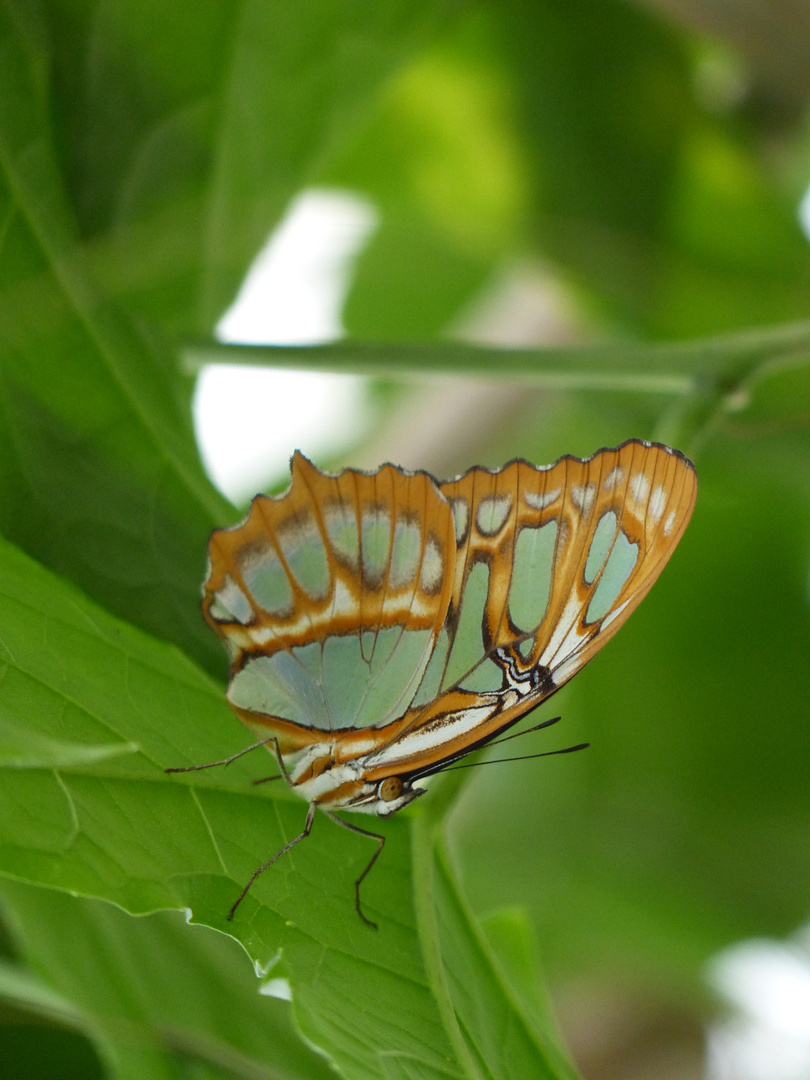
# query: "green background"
(146, 152)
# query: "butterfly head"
(385, 797)
(347, 784)
(380, 797)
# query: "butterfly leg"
(266, 866)
(283, 774)
(380, 845)
(227, 760)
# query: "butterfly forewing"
(330, 600)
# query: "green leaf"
(20, 987)
(99, 474)
(151, 992)
(44, 1036)
(118, 828)
(184, 131)
(20, 749)
(484, 1017)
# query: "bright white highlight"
(804, 213)
(432, 568)
(277, 988)
(582, 496)
(541, 501)
(768, 1038)
(492, 513)
(460, 515)
(294, 291)
(640, 488)
(249, 419)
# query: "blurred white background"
(248, 420)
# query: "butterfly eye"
(390, 789)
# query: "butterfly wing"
(330, 600)
(406, 622)
(549, 564)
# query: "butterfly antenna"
(526, 731)
(447, 764)
(524, 757)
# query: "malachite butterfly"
(383, 625)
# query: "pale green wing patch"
(394, 673)
(376, 543)
(369, 680)
(302, 547)
(430, 686)
(530, 586)
(601, 544)
(266, 579)
(618, 568)
(468, 643)
(485, 677)
(341, 528)
(492, 512)
(406, 553)
(345, 679)
(280, 685)
(461, 515)
(345, 682)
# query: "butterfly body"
(382, 625)
(320, 776)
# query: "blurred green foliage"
(146, 152)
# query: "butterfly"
(383, 625)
